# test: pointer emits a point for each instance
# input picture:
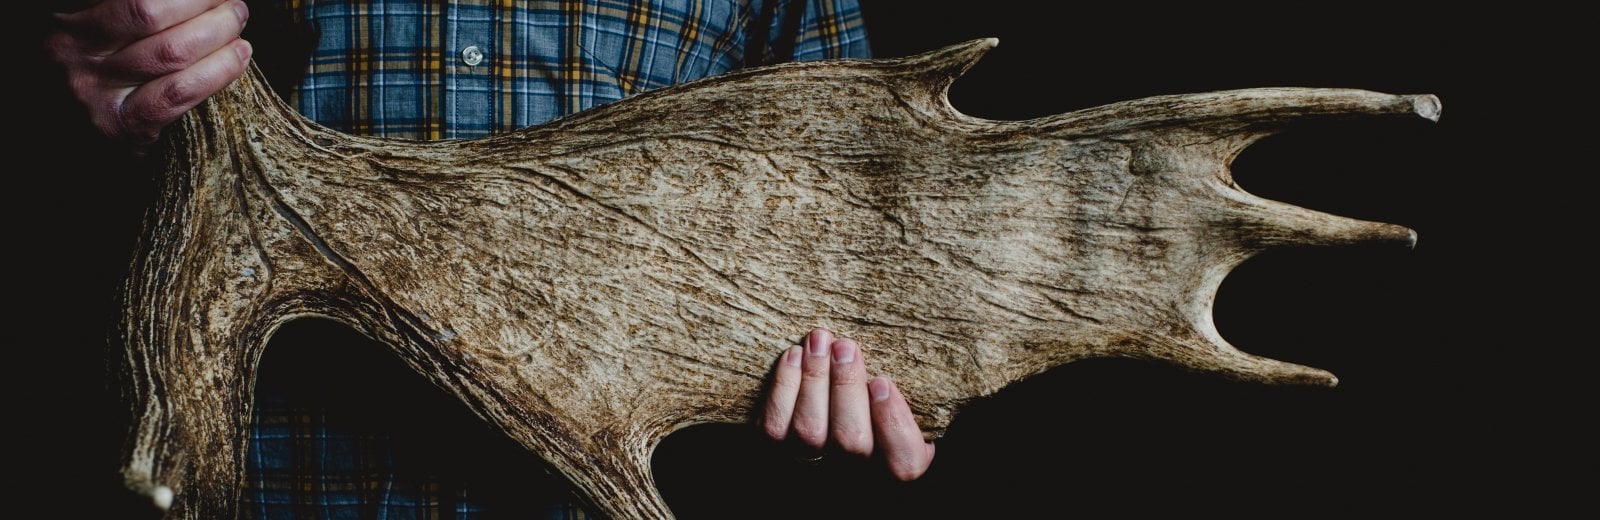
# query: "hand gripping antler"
(593, 284)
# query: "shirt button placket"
(471, 38)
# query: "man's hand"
(821, 393)
(138, 65)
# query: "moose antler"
(593, 284)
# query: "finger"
(182, 45)
(114, 23)
(899, 438)
(849, 415)
(158, 103)
(811, 405)
(780, 401)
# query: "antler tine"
(946, 64)
(926, 78)
(1203, 348)
(1272, 223)
(1252, 112)
(1240, 365)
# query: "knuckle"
(61, 48)
(104, 112)
(137, 125)
(905, 472)
(782, 381)
(814, 371)
(85, 87)
(811, 433)
(805, 426)
(172, 54)
(896, 426)
(847, 376)
(140, 16)
(775, 430)
(110, 127)
(854, 442)
(191, 86)
(83, 30)
(895, 414)
(147, 117)
(178, 92)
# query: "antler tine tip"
(1394, 234)
(161, 496)
(1428, 106)
(1308, 376)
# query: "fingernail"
(879, 388)
(814, 345)
(242, 12)
(244, 50)
(792, 356)
(844, 351)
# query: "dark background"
(1463, 381)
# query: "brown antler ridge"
(592, 284)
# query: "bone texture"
(590, 285)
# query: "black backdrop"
(1462, 386)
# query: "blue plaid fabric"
(311, 458)
(462, 69)
(402, 69)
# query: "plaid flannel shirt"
(444, 70)
(460, 69)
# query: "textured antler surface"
(593, 284)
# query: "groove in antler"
(590, 285)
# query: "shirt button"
(472, 55)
